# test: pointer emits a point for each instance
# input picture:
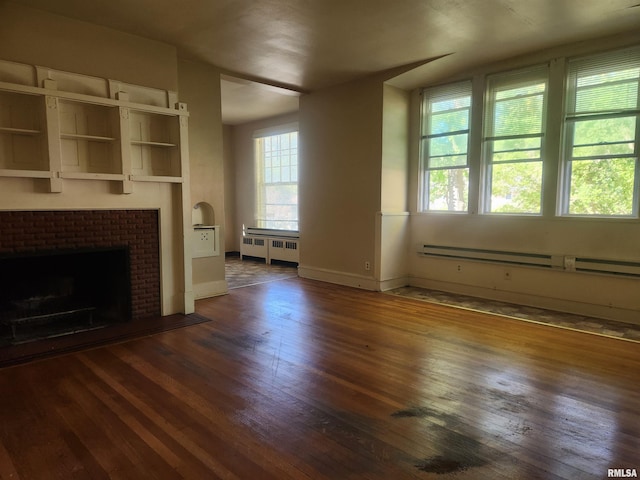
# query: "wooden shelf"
(19, 131)
(156, 178)
(153, 144)
(90, 138)
(92, 176)
(22, 124)
(25, 173)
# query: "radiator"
(565, 262)
(258, 244)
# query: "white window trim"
(512, 77)
(258, 166)
(425, 171)
(570, 117)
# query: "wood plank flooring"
(298, 379)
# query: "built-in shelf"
(153, 138)
(19, 131)
(92, 176)
(66, 126)
(4, 172)
(21, 125)
(153, 144)
(156, 178)
(92, 138)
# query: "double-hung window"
(277, 181)
(600, 174)
(514, 130)
(445, 145)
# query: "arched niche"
(202, 214)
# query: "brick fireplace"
(29, 234)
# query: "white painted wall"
(341, 148)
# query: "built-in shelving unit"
(65, 126)
(88, 140)
(155, 141)
(22, 132)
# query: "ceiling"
(305, 45)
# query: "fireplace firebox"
(45, 294)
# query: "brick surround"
(30, 231)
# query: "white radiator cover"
(261, 243)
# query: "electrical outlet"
(367, 265)
(570, 264)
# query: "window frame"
(572, 117)
(504, 81)
(261, 183)
(429, 96)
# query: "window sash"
(509, 143)
(610, 85)
(446, 123)
(277, 180)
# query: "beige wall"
(35, 37)
(231, 241)
(392, 236)
(341, 148)
(200, 89)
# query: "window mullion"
(475, 143)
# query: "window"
(277, 181)
(601, 135)
(521, 154)
(445, 147)
(515, 114)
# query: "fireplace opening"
(49, 294)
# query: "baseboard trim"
(338, 278)
(210, 289)
(391, 283)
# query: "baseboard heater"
(612, 267)
(562, 262)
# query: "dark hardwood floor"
(298, 379)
